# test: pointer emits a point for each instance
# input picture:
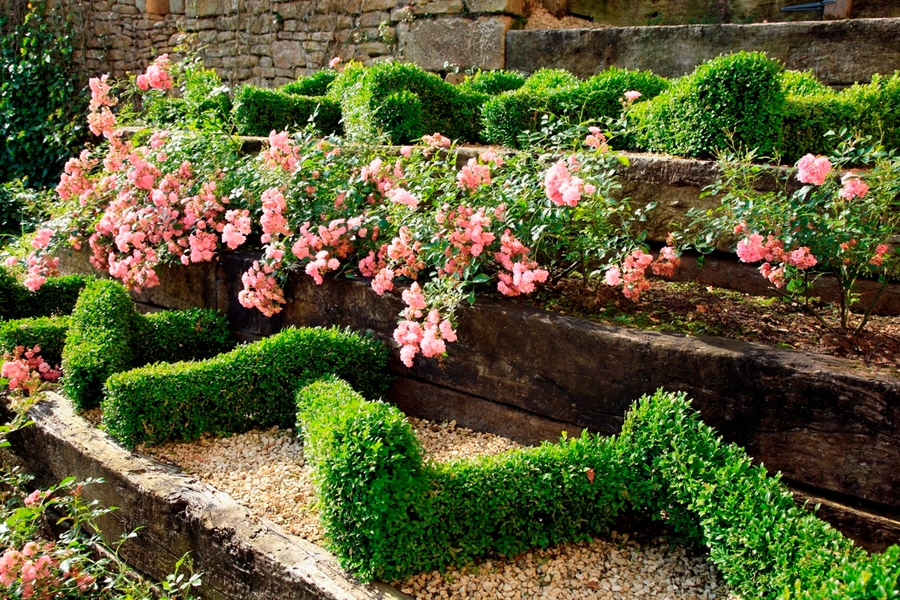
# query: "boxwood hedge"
(47, 332)
(388, 515)
(257, 111)
(252, 385)
(56, 297)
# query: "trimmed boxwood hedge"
(257, 111)
(558, 93)
(252, 385)
(177, 335)
(733, 101)
(56, 297)
(98, 342)
(387, 515)
(47, 332)
(373, 101)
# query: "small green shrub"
(13, 296)
(492, 83)
(251, 385)
(808, 118)
(47, 332)
(544, 81)
(506, 116)
(601, 96)
(177, 335)
(733, 101)
(878, 101)
(387, 515)
(57, 296)
(445, 108)
(764, 544)
(316, 84)
(257, 111)
(802, 83)
(99, 341)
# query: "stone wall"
(270, 42)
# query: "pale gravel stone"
(265, 471)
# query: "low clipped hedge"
(558, 93)
(399, 103)
(388, 515)
(57, 296)
(733, 101)
(49, 333)
(178, 335)
(98, 342)
(710, 491)
(316, 84)
(106, 335)
(253, 385)
(257, 111)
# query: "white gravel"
(264, 470)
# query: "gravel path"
(264, 470)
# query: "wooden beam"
(839, 10)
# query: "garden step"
(241, 557)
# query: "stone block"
(509, 7)
(176, 7)
(203, 8)
(288, 54)
(840, 53)
(369, 5)
(464, 43)
(374, 19)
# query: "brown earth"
(699, 309)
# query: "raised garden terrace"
(512, 334)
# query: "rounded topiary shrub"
(730, 102)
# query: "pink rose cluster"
(34, 572)
(473, 175)
(853, 187)
(468, 232)
(632, 274)
(521, 274)
(755, 248)
(430, 338)
(281, 153)
(156, 76)
(596, 139)
(26, 370)
(813, 169)
(563, 188)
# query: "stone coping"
(241, 557)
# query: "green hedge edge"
(387, 515)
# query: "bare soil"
(699, 309)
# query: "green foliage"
(878, 101)
(387, 515)
(177, 335)
(47, 332)
(22, 208)
(316, 84)
(544, 81)
(257, 111)
(558, 93)
(506, 116)
(733, 101)
(764, 544)
(802, 83)
(99, 341)
(13, 296)
(372, 103)
(41, 101)
(56, 297)
(808, 118)
(492, 83)
(251, 385)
